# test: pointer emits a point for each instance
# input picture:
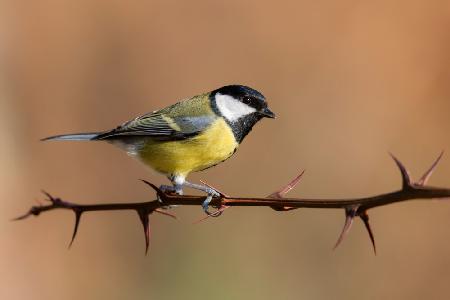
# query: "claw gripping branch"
(357, 207)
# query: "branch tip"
(34, 210)
(22, 217)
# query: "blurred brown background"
(349, 80)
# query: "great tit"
(191, 135)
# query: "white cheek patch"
(231, 108)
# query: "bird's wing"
(161, 126)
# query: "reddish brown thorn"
(160, 211)
(35, 211)
(29, 213)
(283, 191)
(219, 211)
(425, 177)
(160, 193)
(406, 178)
(287, 188)
(143, 216)
(365, 218)
(49, 197)
(350, 213)
(217, 190)
(77, 223)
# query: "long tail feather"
(73, 137)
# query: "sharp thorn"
(35, 211)
(287, 188)
(143, 216)
(425, 177)
(22, 216)
(406, 178)
(75, 228)
(350, 214)
(49, 197)
(218, 211)
(151, 185)
(201, 220)
(158, 191)
(165, 213)
(365, 218)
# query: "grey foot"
(211, 193)
(170, 189)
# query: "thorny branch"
(357, 207)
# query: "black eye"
(247, 100)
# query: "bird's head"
(235, 102)
(242, 107)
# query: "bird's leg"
(171, 189)
(211, 193)
(175, 188)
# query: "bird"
(192, 135)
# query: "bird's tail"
(73, 137)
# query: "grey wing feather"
(158, 125)
(194, 124)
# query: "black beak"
(266, 112)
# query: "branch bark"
(357, 207)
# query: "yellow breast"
(212, 146)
